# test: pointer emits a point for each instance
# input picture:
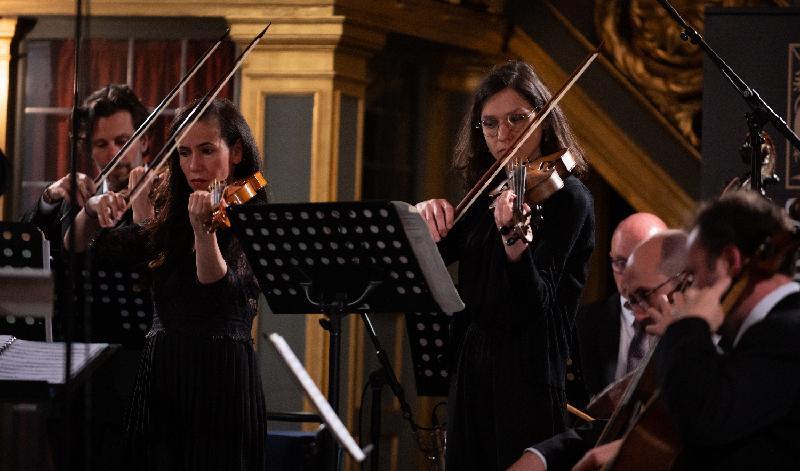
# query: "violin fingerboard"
(216, 189)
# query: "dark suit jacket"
(596, 347)
(52, 224)
(597, 327)
(738, 411)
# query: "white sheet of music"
(25, 360)
(337, 427)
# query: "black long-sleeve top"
(538, 294)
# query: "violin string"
(215, 188)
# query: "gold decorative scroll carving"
(644, 43)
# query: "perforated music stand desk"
(121, 305)
(429, 338)
(335, 258)
(26, 284)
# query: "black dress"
(198, 402)
(507, 390)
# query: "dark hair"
(103, 103)
(472, 156)
(740, 218)
(111, 99)
(170, 231)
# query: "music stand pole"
(317, 257)
(376, 381)
(383, 375)
(335, 310)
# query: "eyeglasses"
(617, 263)
(491, 126)
(641, 297)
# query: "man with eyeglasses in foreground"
(736, 405)
(605, 329)
(649, 275)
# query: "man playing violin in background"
(654, 269)
(113, 113)
(736, 405)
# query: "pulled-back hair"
(170, 231)
(472, 157)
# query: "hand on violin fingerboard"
(141, 206)
(107, 208)
(62, 189)
(506, 220)
(210, 265)
(439, 215)
(504, 207)
(200, 208)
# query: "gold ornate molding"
(7, 28)
(623, 164)
(644, 43)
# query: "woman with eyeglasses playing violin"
(197, 402)
(507, 387)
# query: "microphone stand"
(760, 112)
(71, 307)
(383, 375)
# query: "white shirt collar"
(627, 314)
(766, 304)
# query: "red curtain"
(156, 70)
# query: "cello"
(650, 439)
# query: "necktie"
(636, 350)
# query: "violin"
(238, 192)
(536, 181)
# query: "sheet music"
(430, 262)
(26, 360)
(328, 415)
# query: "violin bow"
(492, 172)
(148, 122)
(151, 118)
(190, 120)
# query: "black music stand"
(121, 305)
(32, 373)
(26, 284)
(337, 258)
(429, 338)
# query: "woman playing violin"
(198, 402)
(507, 390)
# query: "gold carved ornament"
(644, 43)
